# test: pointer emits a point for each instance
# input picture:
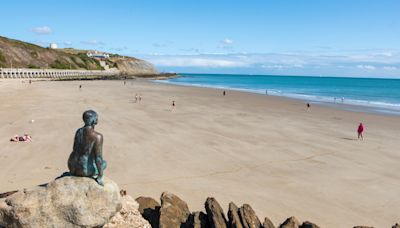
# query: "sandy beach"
(266, 151)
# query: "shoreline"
(366, 107)
(269, 152)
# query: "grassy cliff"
(19, 54)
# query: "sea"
(356, 94)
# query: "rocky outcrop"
(215, 213)
(248, 217)
(174, 212)
(150, 210)
(291, 222)
(133, 66)
(129, 216)
(198, 220)
(65, 202)
(308, 224)
(233, 216)
(268, 223)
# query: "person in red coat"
(360, 131)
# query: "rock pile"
(70, 202)
(173, 212)
(81, 202)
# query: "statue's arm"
(99, 155)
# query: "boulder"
(233, 216)
(215, 214)
(396, 226)
(198, 220)
(150, 210)
(64, 202)
(268, 223)
(129, 216)
(308, 224)
(174, 212)
(248, 217)
(291, 222)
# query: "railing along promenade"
(51, 73)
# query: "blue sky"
(283, 37)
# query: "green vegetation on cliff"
(18, 54)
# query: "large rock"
(198, 220)
(174, 212)
(215, 214)
(233, 216)
(65, 202)
(308, 224)
(291, 222)
(129, 216)
(268, 223)
(249, 217)
(150, 210)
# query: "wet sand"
(267, 151)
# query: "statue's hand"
(100, 181)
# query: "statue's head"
(90, 118)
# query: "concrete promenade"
(51, 73)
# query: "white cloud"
(92, 42)
(301, 63)
(196, 61)
(44, 30)
(366, 67)
(227, 41)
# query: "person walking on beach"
(308, 106)
(224, 93)
(173, 105)
(266, 92)
(136, 98)
(360, 131)
(80, 87)
(140, 97)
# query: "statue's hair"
(89, 117)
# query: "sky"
(274, 37)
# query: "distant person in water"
(266, 92)
(308, 106)
(173, 105)
(224, 93)
(360, 131)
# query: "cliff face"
(133, 66)
(18, 54)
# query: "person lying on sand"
(24, 138)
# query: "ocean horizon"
(381, 95)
